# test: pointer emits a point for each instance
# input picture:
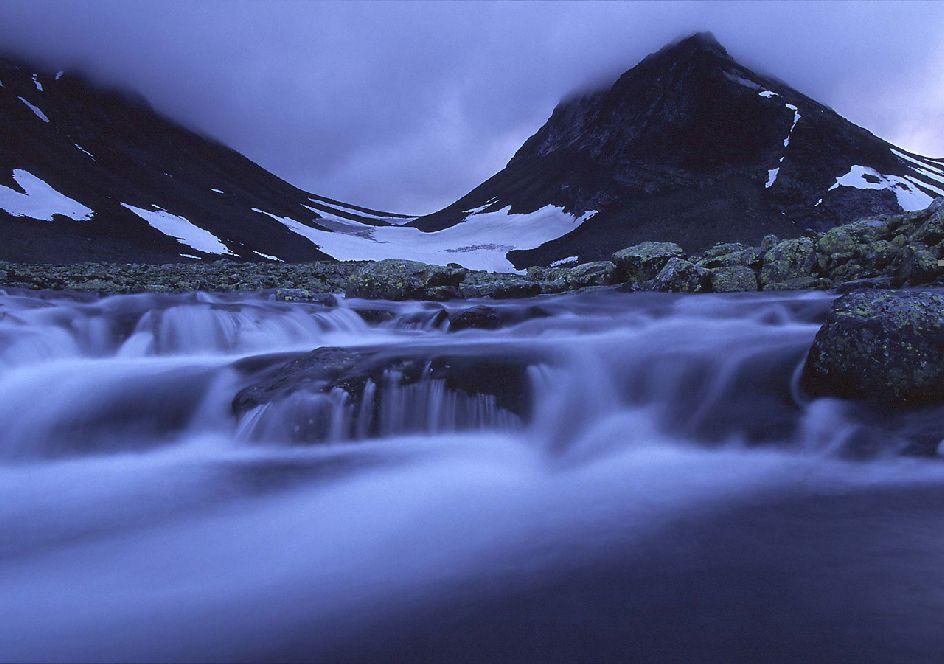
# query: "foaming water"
(661, 487)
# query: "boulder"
(642, 262)
(919, 265)
(932, 230)
(682, 276)
(331, 390)
(479, 318)
(733, 279)
(789, 264)
(395, 279)
(502, 286)
(731, 254)
(885, 346)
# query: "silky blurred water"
(669, 495)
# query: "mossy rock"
(642, 262)
(681, 276)
(788, 261)
(733, 279)
(886, 346)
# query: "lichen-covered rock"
(642, 262)
(919, 265)
(563, 279)
(682, 276)
(932, 230)
(733, 279)
(501, 286)
(851, 239)
(597, 273)
(305, 295)
(731, 254)
(788, 262)
(769, 242)
(885, 346)
(395, 279)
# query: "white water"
(142, 520)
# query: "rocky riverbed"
(877, 252)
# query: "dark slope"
(104, 148)
(680, 148)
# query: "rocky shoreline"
(888, 251)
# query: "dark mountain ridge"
(106, 155)
(691, 146)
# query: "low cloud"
(408, 106)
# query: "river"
(667, 494)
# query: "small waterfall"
(391, 408)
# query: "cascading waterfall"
(563, 468)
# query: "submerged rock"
(480, 318)
(884, 346)
(363, 391)
(642, 262)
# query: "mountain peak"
(700, 40)
(693, 147)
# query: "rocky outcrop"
(789, 265)
(642, 262)
(681, 276)
(405, 280)
(892, 250)
(733, 279)
(885, 346)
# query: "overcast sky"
(406, 107)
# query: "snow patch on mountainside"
(182, 230)
(909, 196)
(40, 201)
(81, 149)
(480, 242)
(570, 260)
(774, 172)
(340, 207)
(36, 110)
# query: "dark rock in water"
(375, 316)
(305, 295)
(642, 262)
(681, 276)
(405, 280)
(480, 318)
(883, 346)
(733, 279)
(789, 265)
(499, 373)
